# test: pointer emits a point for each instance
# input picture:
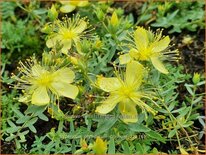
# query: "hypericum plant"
(148, 46)
(44, 84)
(67, 32)
(147, 119)
(125, 92)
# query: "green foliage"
(73, 124)
(175, 16)
(24, 123)
(7, 10)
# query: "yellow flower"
(126, 93)
(43, 86)
(68, 31)
(149, 47)
(100, 146)
(70, 5)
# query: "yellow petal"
(40, 96)
(83, 3)
(66, 46)
(128, 111)
(37, 70)
(53, 41)
(159, 65)
(65, 89)
(64, 75)
(67, 8)
(134, 53)
(81, 27)
(161, 45)
(141, 38)
(108, 84)
(109, 104)
(134, 74)
(125, 58)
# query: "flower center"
(68, 34)
(145, 54)
(45, 79)
(126, 91)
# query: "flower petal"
(65, 89)
(64, 75)
(160, 45)
(40, 96)
(67, 8)
(159, 65)
(141, 38)
(134, 74)
(53, 41)
(128, 111)
(134, 54)
(83, 3)
(81, 27)
(108, 84)
(109, 104)
(125, 58)
(66, 46)
(37, 70)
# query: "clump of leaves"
(175, 16)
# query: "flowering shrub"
(108, 85)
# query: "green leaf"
(32, 128)
(111, 149)
(197, 99)
(104, 125)
(11, 123)
(172, 133)
(189, 89)
(179, 110)
(10, 137)
(200, 83)
(183, 112)
(194, 116)
(18, 145)
(35, 109)
(18, 113)
(43, 117)
(171, 106)
(189, 123)
(138, 127)
(25, 132)
(125, 147)
(12, 129)
(23, 119)
(139, 148)
(31, 122)
(22, 138)
(156, 136)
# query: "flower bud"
(100, 146)
(196, 78)
(52, 13)
(114, 19)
